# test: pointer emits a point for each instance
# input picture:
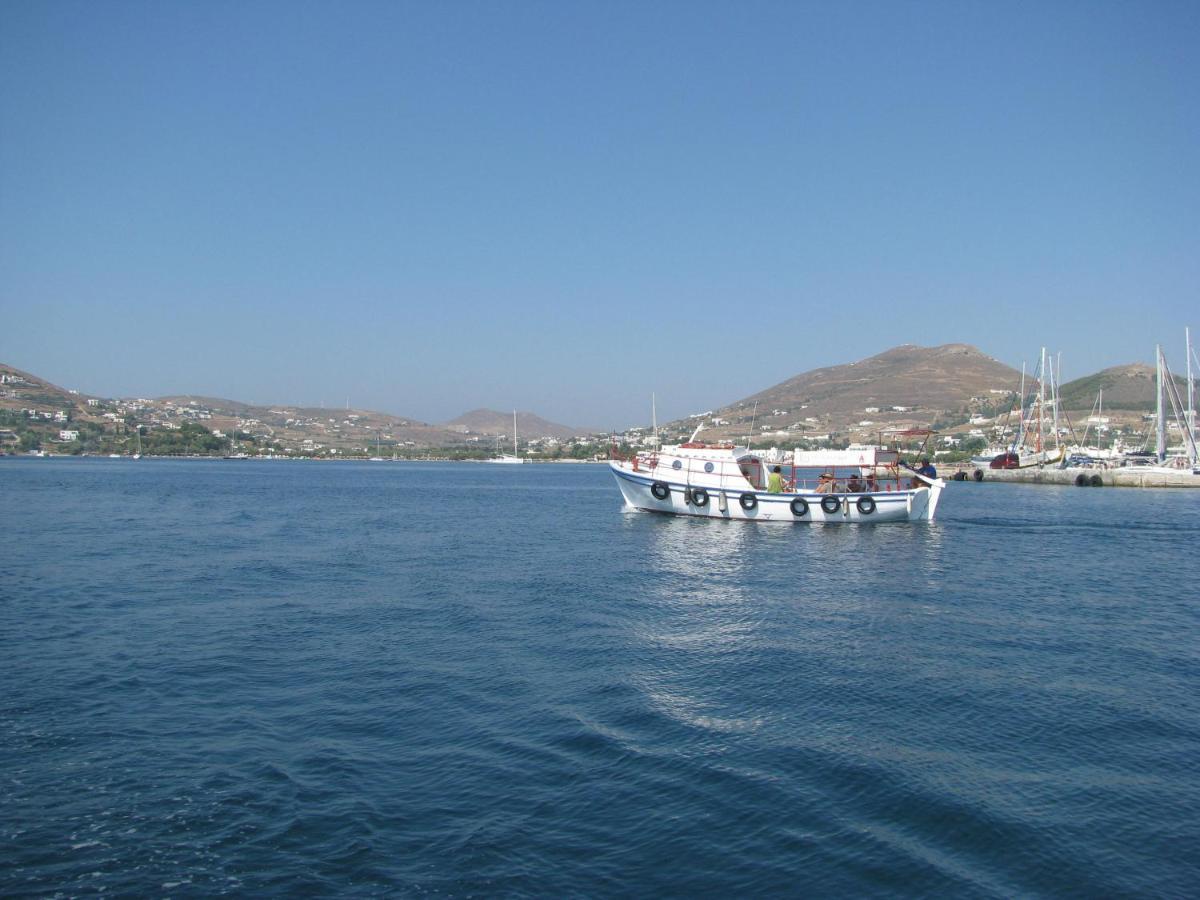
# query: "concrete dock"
(1132, 476)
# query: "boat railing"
(730, 476)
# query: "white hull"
(506, 460)
(912, 505)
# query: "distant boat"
(1029, 447)
(1187, 458)
(233, 445)
(506, 458)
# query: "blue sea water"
(280, 678)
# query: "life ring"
(748, 501)
(660, 490)
(866, 505)
(830, 504)
(700, 496)
(799, 507)
(978, 476)
(1097, 481)
(1081, 480)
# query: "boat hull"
(867, 508)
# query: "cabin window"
(752, 469)
(677, 465)
(708, 467)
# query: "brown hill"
(935, 378)
(904, 386)
(529, 425)
(23, 391)
(1126, 388)
(342, 428)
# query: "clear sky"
(562, 207)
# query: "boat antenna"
(654, 419)
(753, 416)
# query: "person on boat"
(927, 469)
(855, 485)
(775, 481)
(826, 484)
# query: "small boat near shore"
(723, 481)
(508, 459)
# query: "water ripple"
(244, 678)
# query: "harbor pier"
(1125, 476)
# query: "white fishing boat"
(509, 458)
(723, 481)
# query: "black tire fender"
(699, 496)
(830, 504)
(978, 476)
(748, 501)
(1081, 480)
(1097, 481)
(799, 507)
(660, 490)
(866, 505)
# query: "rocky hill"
(29, 402)
(1129, 388)
(491, 423)
(22, 390)
(907, 386)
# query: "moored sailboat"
(507, 458)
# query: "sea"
(278, 678)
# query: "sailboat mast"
(1020, 438)
(514, 432)
(1191, 389)
(1055, 375)
(1160, 442)
(1041, 398)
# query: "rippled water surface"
(394, 678)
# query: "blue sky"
(562, 207)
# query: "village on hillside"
(969, 399)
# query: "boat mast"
(1191, 389)
(654, 419)
(514, 432)
(1020, 436)
(1160, 443)
(1055, 376)
(1041, 398)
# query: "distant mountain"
(1129, 388)
(904, 386)
(939, 378)
(492, 423)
